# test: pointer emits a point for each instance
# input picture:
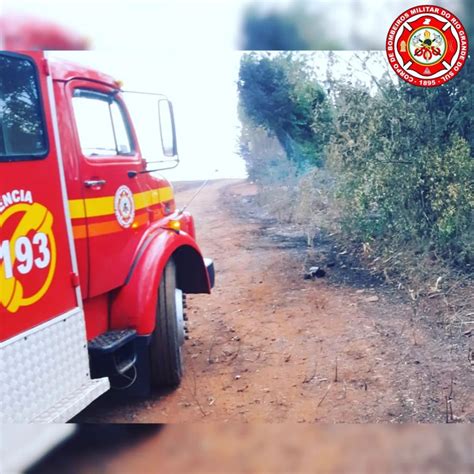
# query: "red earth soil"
(269, 346)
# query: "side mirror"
(167, 128)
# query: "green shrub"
(399, 184)
(392, 167)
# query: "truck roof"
(64, 70)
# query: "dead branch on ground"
(324, 396)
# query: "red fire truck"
(94, 256)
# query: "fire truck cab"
(94, 256)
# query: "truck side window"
(101, 124)
(22, 129)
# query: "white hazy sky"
(196, 24)
(144, 24)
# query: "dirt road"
(269, 346)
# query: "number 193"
(24, 254)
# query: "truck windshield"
(22, 130)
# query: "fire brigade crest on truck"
(427, 46)
(124, 206)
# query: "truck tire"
(165, 348)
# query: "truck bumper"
(74, 402)
(210, 270)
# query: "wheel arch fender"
(134, 305)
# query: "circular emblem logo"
(124, 206)
(27, 255)
(427, 46)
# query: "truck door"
(114, 204)
(36, 268)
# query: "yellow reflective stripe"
(166, 194)
(76, 208)
(99, 206)
(93, 207)
(103, 206)
(147, 198)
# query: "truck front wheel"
(168, 336)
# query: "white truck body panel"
(44, 373)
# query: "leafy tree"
(294, 27)
(279, 94)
